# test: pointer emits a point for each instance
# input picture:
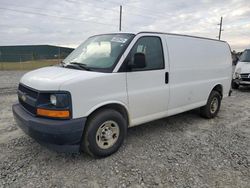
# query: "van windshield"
(99, 53)
(245, 57)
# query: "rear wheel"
(211, 109)
(104, 133)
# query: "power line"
(49, 15)
(124, 6)
(26, 7)
(141, 15)
(148, 16)
(153, 13)
(142, 8)
(77, 2)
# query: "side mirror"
(139, 61)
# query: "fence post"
(1, 60)
(59, 54)
(33, 60)
(20, 66)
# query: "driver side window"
(151, 47)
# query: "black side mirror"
(139, 61)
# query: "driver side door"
(147, 87)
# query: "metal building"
(32, 52)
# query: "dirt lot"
(179, 151)
(27, 65)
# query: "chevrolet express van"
(115, 81)
(241, 76)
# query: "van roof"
(153, 32)
(182, 35)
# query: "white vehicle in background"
(241, 76)
(115, 81)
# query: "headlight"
(55, 105)
(59, 100)
(237, 73)
(62, 100)
(53, 99)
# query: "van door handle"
(166, 78)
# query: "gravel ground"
(179, 151)
(9, 81)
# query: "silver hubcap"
(214, 105)
(107, 134)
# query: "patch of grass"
(27, 65)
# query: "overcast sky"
(70, 22)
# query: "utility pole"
(220, 27)
(120, 23)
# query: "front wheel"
(211, 109)
(104, 133)
(235, 85)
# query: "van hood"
(243, 67)
(52, 78)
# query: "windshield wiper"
(80, 65)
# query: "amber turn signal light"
(53, 113)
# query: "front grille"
(28, 107)
(245, 77)
(28, 91)
(26, 97)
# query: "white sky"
(70, 22)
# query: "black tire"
(235, 85)
(91, 136)
(208, 111)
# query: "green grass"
(27, 65)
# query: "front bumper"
(241, 82)
(59, 135)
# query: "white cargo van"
(115, 81)
(241, 74)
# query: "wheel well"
(219, 89)
(118, 107)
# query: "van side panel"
(196, 66)
(90, 94)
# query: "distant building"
(32, 52)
